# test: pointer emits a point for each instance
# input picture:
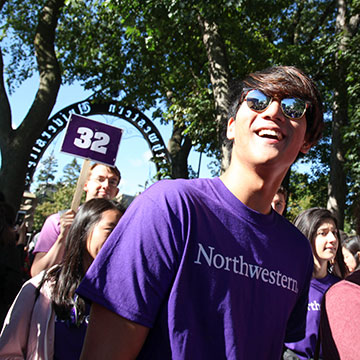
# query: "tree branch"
(2, 3)
(315, 31)
(354, 24)
(296, 24)
(219, 77)
(5, 111)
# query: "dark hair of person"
(352, 243)
(112, 169)
(282, 190)
(67, 276)
(308, 223)
(281, 82)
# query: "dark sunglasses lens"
(257, 101)
(293, 108)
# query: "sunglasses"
(292, 108)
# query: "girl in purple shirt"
(320, 227)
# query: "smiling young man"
(103, 183)
(205, 269)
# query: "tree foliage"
(180, 57)
(71, 173)
(59, 197)
(47, 171)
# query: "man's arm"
(45, 260)
(110, 336)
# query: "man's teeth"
(271, 133)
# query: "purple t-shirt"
(212, 278)
(48, 234)
(305, 348)
(69, 337)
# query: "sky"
(133, 155)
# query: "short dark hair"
(308, 223)
(283, 81)
(112, 169)
(282, 190)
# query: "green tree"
(179, 56)
(46, 176)
(305, 191)
(61, 197)
(71, 173)
(57, 201)
(30, 27)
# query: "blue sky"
(134, 154)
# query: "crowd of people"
(201, 268)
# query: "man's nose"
(105, 183)
(274, 111)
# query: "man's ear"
(230, 130)
(85, 186)
(305, 147)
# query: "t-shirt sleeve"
(134, 271)
(296, 326)
(48, 234)
(339, 320)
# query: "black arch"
(97, 106)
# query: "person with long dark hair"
(320, 227)
(351, 252)
(47, 320)
(49, 249)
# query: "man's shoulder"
(179, 184)
(291, 229)
(296, 242)
(51, 221)
(175, 194)
(55, 217)
(180, 187)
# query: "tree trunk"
(337, 183)
(179, 148)
(16, 145)
(12, 173)
(337, 189)
(219, 77)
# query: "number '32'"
(94, 141)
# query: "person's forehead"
(102, 170)
(328, 223)
(279, 197)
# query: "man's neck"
(255, 189)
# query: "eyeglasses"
(112, 183)
(292, 108)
